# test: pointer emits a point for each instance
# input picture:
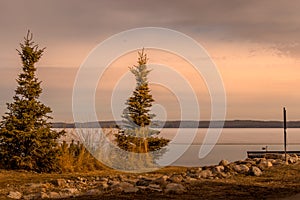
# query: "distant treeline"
(187, 124)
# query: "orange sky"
(255, 47)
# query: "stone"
(71, 191)
(205, 174)
(124, 187)
(143, 182)
(292, 159)
(264, 164)
(161, 180)
(243, 169)
(44, 195)
(54, 195)
(222, 175)
(112, 182)
(174, 188)
(224, 163)
(175, 178)
(255, 171)
(92, 192)
(14, 195)
(40, 195)
(277, 162)
(154, 187)
(61, 182)
(190, 179)
(102, 179)
(103, 185)
(218, 169)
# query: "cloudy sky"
(255, 45)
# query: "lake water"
(232, 144)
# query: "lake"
(232, 144)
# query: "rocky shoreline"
(143, 184)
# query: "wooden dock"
(262, 154)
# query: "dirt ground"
(276, 183)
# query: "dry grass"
(76, 158)
(275, 183)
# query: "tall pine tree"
(26, 138)
(136, 114)
(136, 135)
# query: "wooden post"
(284, 131)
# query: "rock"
(190, 179)
(54, 195)
(175, 178)
(44, 195)
(264, 164)
(143, 182)
(243, 169)
(111, 182)
(161, 180)
(277, 162)
(92, 192)
(40, 195)
(175, 188)
(255, 171)
(60, 182)
(14, 195)
(103, 179)
(154, 187)
(224, 163)
(31, 196)
(205, 174)
(71, 191)
(222, 175)
(218, 169)
(124, 187)
(103, 185)
(292, 159)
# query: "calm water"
(232, 144)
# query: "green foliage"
(26, 138)
(136, 114)
(137, 136)
(139, 144)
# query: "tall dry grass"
(74, 157)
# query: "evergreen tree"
(26, 138)
(136, 114)
(136, 135)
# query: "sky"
(255, 46)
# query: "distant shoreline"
(188, 124)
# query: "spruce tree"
(137, 113)
(26, 138)
(136, 135)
